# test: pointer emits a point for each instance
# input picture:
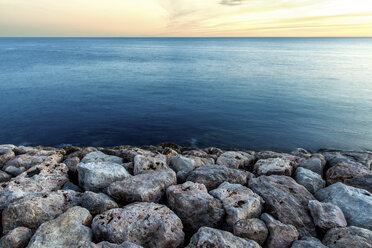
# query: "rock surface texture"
(169, 196)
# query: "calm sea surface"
(255, 93)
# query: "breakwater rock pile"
(169, 196)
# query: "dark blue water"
(260, 93)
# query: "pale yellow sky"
(186, 18)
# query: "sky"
(184, 18)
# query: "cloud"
(232, 2)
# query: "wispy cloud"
(232, 2)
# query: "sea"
(248, 93)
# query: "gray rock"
(16, 238)
(6, 154)
(273, 166)
(347, 237)
(70, 186)
(271, 154)
(210, 237)
(254, 229)
(213, 175)
(105, 244)
(354, 175)
(72, 163)
(280, 235)
(238, 201)
(356, 204)
(97, 156)
(309, 179)
(286, 200)
(363, 158)
(129, 153)
(236, 160)
(146, 224)
(97, 176)
(97, 203)
(39, 179)
(4, 177)
(182, 166)
(149, 186)
(326, 215)
(195, 207)
(315, 163)
(308, 242)
(33, 210)
(146, 163)
(26, 161)
(69, 230)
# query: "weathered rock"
(196, 153)
(356, 204)
(210, 237)
(236, 160)
(25, 161)
(72, 163)
(280, 235)
(182, 166)
(39, 179)
(195, 207)
(315, 163)
(146, 163)
(82, 152)
(16, 238)
(105, 244)
(70, 186)
(309, 179)
(213, 175)
(286, 200)
(201, 161)
(97, 203)
(33, 210)
(149, 186)
(68, 230)
(270, 154)
(94, 157)
(354, 175)
(129, 153)
(146, 224)
(347, 237)
(24, 149)
(4, 177)
(363, 158)
(273, 166)
(6, 154)
(213, 152)
(308, 242)
(254, 229)
(97, 176)
(238, 201)
(326, 215)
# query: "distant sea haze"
(251, 93)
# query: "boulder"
(347, 237)
(33, 210)
(363, 158)
(315, 163)
(182, 166)
(195, 207)
(238, 201)
(354, 175)
(70, 186)
(210, 237)
(4, 177)
(105, 244)
(271, 154)
(72, 163)
(236, 160)
(25, 161)
(129, 153)
(196, 153)
(280, 235)
(148, 224)
(213, 175)
(6, 154)
(146, 163)
(98, 175)
(308, 242)
(286, 200)
(38, 179)
(356, 204)
(16, 238)
(254, 229)
(273, 166)
(326, 215)
(70, 229)
(309, 179)
(97, 156)
(149, 186)
(97, 203)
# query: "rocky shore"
(169, 196)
